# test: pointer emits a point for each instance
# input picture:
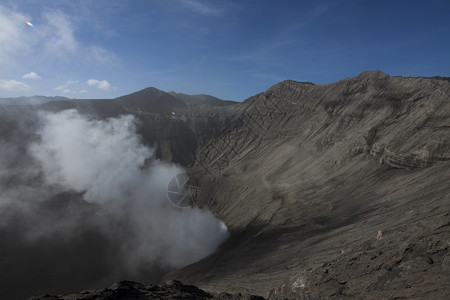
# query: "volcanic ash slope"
(338, 190)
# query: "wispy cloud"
(31, 75)
(52, 39)
(100, 84)
(58, 33)
(100, 55)
(13, 85)
(15, 38)
(69, 87)
(76, 87)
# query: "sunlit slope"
(339, 189)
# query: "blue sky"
(230, 49)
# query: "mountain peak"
(289, 84)
(151, 99)
(290, 81)
(146, 92)
(372, 74)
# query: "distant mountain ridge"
(150, 93)
(202, 99)
(30, 100)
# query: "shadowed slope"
(202, 99)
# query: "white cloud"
(31, 75)
(75, 87)
(101, 85)
(13, 85)
(53, 39)
(66, 88)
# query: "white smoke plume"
(91, 186)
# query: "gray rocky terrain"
(329, 191)
(135, 291)
(338, 190)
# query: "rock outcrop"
(128, 290)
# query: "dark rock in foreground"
(135, 291)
